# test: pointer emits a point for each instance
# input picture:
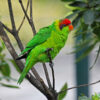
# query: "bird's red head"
(64, 23)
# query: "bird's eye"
(63, 25)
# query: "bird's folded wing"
(39, 38)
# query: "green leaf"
(83, 98)
(15, 65)
(95, 59)
(89, 17)
(75, 22)
(1, 49)
(84, 43)
(73, 14)
(81, 45)
(97, 1)
(9, 86)
(78, 4)
(7, 78)
(5, 69)
(96, 97)
(96, 31)
(3, 45)
(92, 3)
(62, 95)
(86, 52)
(97, 19)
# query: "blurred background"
(66, 70)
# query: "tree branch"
(39, 78)
(31, 18)
(14, 32)
(11, 15)
(53, 76)
(30, 21)
(51, 66)
(23, 17)
(19, 42)
(83, 85)
(9, 30)
(47, 75)
(31, 13)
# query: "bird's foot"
(49, 49)
(48, 52)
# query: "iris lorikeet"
(53, 36)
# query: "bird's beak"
(70, 27)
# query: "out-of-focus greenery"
(5, 71)
(96, 97)
(85, 15)
(63, 94)
(93, 97)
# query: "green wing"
(40, 37)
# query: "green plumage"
(48, 37)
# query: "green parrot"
(53, 36)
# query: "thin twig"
(31, 18)
(23, 17)
(31, 10)
(83, 85)
(51, 66)
(30, 22)
(8, 29)
(14, 32)
(40, 79)
(36, 74)
(53, 76)
(98, 53)
(20, 1)
(47, 75)
(19, 42)
(11, 15)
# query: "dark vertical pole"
(82, 73)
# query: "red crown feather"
(66, 21)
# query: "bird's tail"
(22, 57)
(25, 71)
(23, 74)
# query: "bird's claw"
(49, 49)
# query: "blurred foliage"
(5, 70)
(96, 97)
(62, 95)
(85, 15)
(93, 97)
